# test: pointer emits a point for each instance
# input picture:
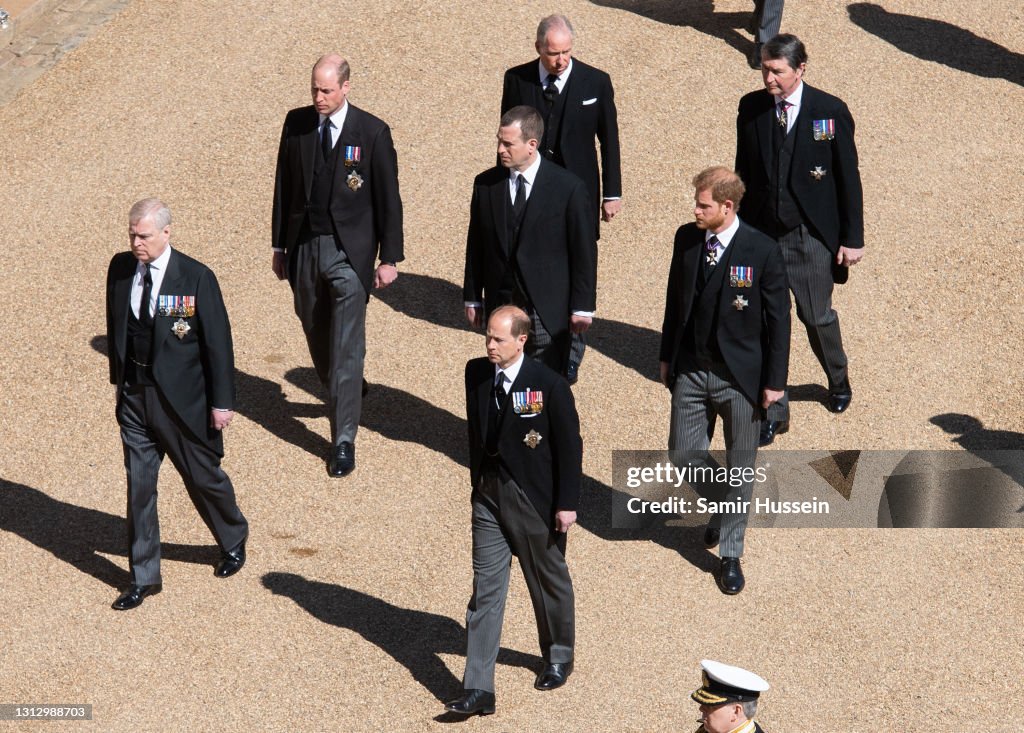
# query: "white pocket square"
(589, 101)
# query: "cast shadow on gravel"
(440, 302)
(76, 535)
(414, 639)
(940, 42)
(395, 414)
(595, 516)
(697, 14)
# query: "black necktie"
(326, 144)
(499, 391)
(498, 395)
(550, 90)
(520, 201)
(147, 293)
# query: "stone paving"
(43, 33)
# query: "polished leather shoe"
(754, 59)
(553, 676)
(771, 428)
(572, 372)
(231, 562)
(132, 598)
(730, 576)
(473, 702)
(711, 536)
(343, 461)
(839, 401)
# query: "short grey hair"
(750, 709)
(552, 23)
(153, 208)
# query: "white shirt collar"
(560, 81)
(510, 372)
(530, 174)
(725, 236)
(338, 118)
(795, 97)
(160, 263)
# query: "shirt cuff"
(222, 409)
(474, 304)
(585, 314)
(278, 249)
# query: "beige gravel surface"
(349, 613)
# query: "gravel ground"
(348, 616)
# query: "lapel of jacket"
(309, 141)
(483, 396)
(122, 304)
(574, 91)
(499, 195)
(765, 124)
(533, 88)
(694, 260)
(541, 193)
(804, 127)
(351, 132)
(172, 282)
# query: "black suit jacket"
(832, 205)
(365, 219)
(589, 112)
(194, 373)
(557, 250)
(754, 340)
(550, 473)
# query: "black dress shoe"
(473, 702)
(572, 372)
(730, 576)
(839, 401)
(231, 562)
(132, 598)
(553, 676)
(343, 460)
(711, 536)
(771, 428)
(754, 59)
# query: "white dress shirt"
(157, 270)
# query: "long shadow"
(401, 416)
(697, 14)
(439, 302)
(77, 534)
(414, 639)
(973, 436)
(596, 516)
(941, 42)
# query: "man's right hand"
(475, 316)
(280, 264)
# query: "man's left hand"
(563, 520)
(849, 256)
(610, 208)
(770, 396)
(384, 276)
(580, 324)
(220, 419)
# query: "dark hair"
(786, 46)
(529, 120)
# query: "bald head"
(329, 83)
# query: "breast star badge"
(818, 173)
(740, 303)
(354, 181)
(533, 438)
(180, 328)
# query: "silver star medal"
(354, 181)
(180, 328)
(533, 438)
(818, 173)
(740, 303)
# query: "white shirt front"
(157, 270)
(509, 374)
(793, 100)
(337, 122)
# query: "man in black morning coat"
(525, 467)
(796, 155)
(531, 242)
(171, 361)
